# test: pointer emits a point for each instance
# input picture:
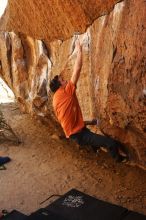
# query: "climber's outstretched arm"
(78, 64)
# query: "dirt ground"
(43, 165)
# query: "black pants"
(86, 137)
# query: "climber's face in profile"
(62, 81)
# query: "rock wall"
(112, 85)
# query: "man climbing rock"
(68, 112)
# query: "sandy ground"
(44, 165)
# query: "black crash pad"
(15, 215)
(76, 205)
(134, 216)
(43, 214)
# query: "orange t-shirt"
(67, 109)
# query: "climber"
(68, 112)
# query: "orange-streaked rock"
(55, 19)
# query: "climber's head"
(56, 82)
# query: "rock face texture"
(55, 19)
(112, 85)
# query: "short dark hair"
(55, 84)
